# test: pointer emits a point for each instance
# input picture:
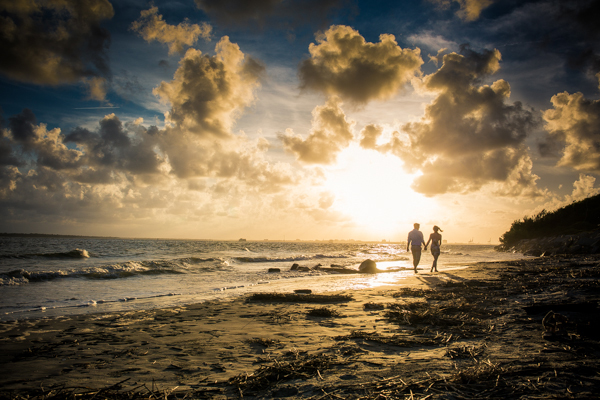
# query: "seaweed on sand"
(299, 298)
(323, 312)
(114, 392)
(263, 342)
(372, 306)
(396, 340)
(266, 376)
(465, 351)
(428, 294)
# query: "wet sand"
(467, 333)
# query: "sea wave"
(116, 271)
(75, 253)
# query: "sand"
(466, 333)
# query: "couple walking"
(415, 238)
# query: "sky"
(289, 119)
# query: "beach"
(475, 332)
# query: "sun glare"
(375, 191)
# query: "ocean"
(54, 276)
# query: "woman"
(436, 242)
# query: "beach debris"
(274, 270)
(465, 351)
(268, 376)
(299, 298)
(395, 340)
(294, 267)
(303, 291)
(263, 342)
(371, 306)
(323, 312)
(368, 267)
(554, 325)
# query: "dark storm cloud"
(35, 142)
(52, 42)
(115, 147)
(469, 136)
(565, 33)
(582, 17)
(22, 126)
(343, 63)
(278, 14)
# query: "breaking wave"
(117, 271)
(75, 253)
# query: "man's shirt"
(415, 238)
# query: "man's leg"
(416, 252)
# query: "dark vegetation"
(299, 298)
(578, 217)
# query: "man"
(415, 239)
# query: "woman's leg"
(434, 266)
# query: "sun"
(374, 190)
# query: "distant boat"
(490, 241)
(242, 240)
(471, 241)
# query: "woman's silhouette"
(436, 242)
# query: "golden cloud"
(151, 27)
(574, 126)
(343, 63)
(331, 132)
(208, 93)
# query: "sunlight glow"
(375, 191)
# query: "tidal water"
(53, 277)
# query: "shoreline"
(469, 328)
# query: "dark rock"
(368, 267)
(294, 267)
(274, 270)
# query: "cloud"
(469, 136)
(469, 9)
(369, 136)
(115, 147)
(277, 14)
(208, 93)
(151, 27)
(96, 87)
(584, 188)
(343, 63)
(54, 42)
(331, 132)
(573, 127)
(125, 171)
(431, 41)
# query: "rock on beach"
(582, 243)
(368, 267)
